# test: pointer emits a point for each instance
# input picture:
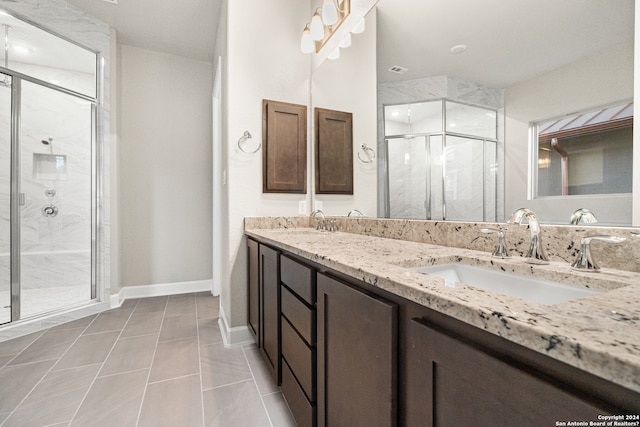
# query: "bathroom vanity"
(362, 338)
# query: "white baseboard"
(233, 337)
(161, 289)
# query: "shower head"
(47, 141)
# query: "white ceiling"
(507, 40)
(182, 27)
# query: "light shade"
(329, 12)
(306, 42)
(317, 27)
(359, 27)
(346, 42)
(335, 54)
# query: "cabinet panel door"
(334, 152)
(453, 383)
(284, 147)
(357, 357)
(253, 279)
(270, 321)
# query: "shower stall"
(48, 115)
(440, 158)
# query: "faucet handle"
(501, 249)
(584, 261)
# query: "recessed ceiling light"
(111, 1)
(459, 48)
(22, 49)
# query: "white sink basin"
(527, 288)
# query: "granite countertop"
(599, 333)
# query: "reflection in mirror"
(528, 61)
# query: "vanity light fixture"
(324, 23)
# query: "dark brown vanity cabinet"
(264, 303)
(455, 383)
(357, 356)
(298, 323)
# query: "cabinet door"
(357, 357)
(270, 309)
(453, 383)
(253, 290)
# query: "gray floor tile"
(143, 324)
(4, 360)
(16, 345)
(113, 401)
(79, 323)
(173, 403)
(278, 410)
(151, 304)
(209, 331)
(174, 359)
(181, 304)
(130, 354)
(112, 320)
(234, 405)
(222, 366)
(208, 306)
(129, 304)
(178, 327)
(55, 399)
(88, 350)
(50, 345)
(17, 381)
(263, 378)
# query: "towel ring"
(368, 152)
(246, 135)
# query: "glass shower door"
(56, 182)
(5, 198)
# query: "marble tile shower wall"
(55, 251)
(561, 242)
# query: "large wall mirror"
(525, 61)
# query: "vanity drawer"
(299, 357)
(299, 278)
(301, 409)
(300, 316)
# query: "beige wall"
(330, 89)
(589, 83)
(165, 168)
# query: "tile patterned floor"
(156, 361)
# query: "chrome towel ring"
(246, 135)
(368, 153)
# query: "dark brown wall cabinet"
(334, 152)
(284, 147)
(357, 357)
(264, 303)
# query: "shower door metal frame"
(15, 212)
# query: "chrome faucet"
(585, 261)
(354, 212)
(321, 223)
(500, 250)
(584, 215)
(536, 254)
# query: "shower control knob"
(50, 192)
(50, 211)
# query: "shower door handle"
(22, 199)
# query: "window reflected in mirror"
(589, 153)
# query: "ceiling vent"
(398, 70)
